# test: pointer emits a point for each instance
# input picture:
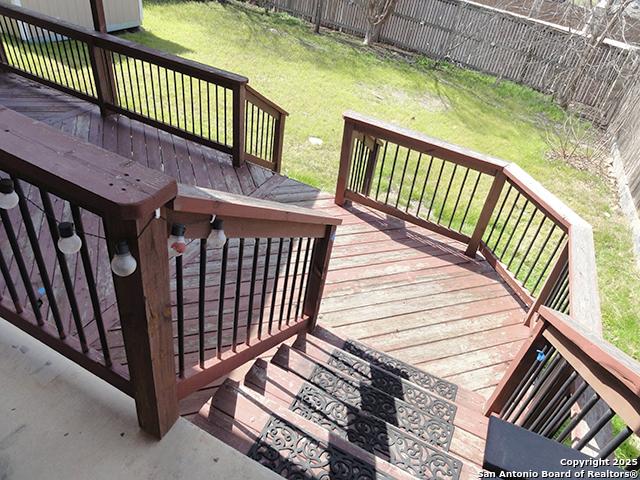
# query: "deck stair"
(325, 407)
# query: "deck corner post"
(100, 65)
(239, 124)
(318, 270)
(278, 143)
(145, 316)
(485, 215)
(346, 152)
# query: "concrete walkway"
(57, 421)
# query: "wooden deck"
(396, 287)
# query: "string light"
(176, 242)
(123, 264)
(8, 196)
(69, 242)
(217, 236)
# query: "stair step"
(468, 418)
(386, 441)
(285, 442)
(368, 398)
(363, 371)
(381, 360)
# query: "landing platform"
(396, 287)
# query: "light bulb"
(8, 196)
(176, 243)
(123, 264)
(68, 243)
(217, 236)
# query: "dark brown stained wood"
(97, 14)
(548, 286)
(424, 144)
(318, 271)
(91, 177)
(346, 153)
(485, 215)
(146, 326)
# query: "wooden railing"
(238, 298)
(108, 297)
(185, 98)
(540, 247)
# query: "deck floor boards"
(394, 286)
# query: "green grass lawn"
(316, 78)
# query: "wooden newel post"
(318, 275)
(239, 124)
(145, 316)
(346, 153)
(101, 65)
(278, 142)
(485, 215)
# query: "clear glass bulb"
(70, 245)
(218, 238)
(123, 264)
(9, 200)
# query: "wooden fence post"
(239, 121)
(145, 317)
(485, 215)
(345, 162)
(318, 274)
(318, 15)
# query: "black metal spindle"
(404, 171)
(302, 277)
(252, 287)
(294, 280)
(471, 197)
(515, 228)
(22, 268)
(548, 263)
(4, 269)
(413, 182)
(595, 429)
(498, 215)
(223, 283)
(202, 280)
(265, 281)
(534, 239)
(540, 252)
(64, 270)
(393, 169)
(522, 237)
(446, 195)
(424, 186)
(384, 157)
(37, 253)
(435, 190)
(615, 442)
(238, 295)
(553, 403)
(584, 410)
(455, 206)
(556, 420)
(283, 298)
(550, 365)
(506, 222)
(91, 284)
(180, 314)
(543, 390)
(354, 165)
(275, 285)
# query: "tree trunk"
(372, 34)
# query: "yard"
(316, 78)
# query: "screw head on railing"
(8, 196)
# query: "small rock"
(315, 141)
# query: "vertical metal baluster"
(531, 244)
(77, 60)
(550, 365)
(207, 85)
(354, 165)
(524, 383)
(504, 225)
(553, 403)
(88, 71)
(91, 284)
(435, 190)
(153, 90)
(556, 420)
(473, 194)
(539, 254)
(144, 88)
(4, 269)
(22, 268)
(515, 228)
(393, 169)
(51, 54)
(384, 157)
(286, 283)
(548, 264)
(37, 253)
(55, 44)
(184, 103)
(217, 116)
(223, 284)
(413, 183)
(302, 282)
(225, 117)
(265, 281)
(424, 186)
(175, 91)
(584, 410)
(404, 171)
(252, 288)
(595, 428)
(237, 293)
(275, 285)
(295, 279)
(193, 107)
(64, 270)
(35, 45)
(615, 442)
(446, 195)
(202, 281)
(180, 312)
(499, 215)
(168, 95)
(455, 206)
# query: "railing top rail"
(206, 201)
(424, 144)
(120, 45)
(265, 102)
(91, 177)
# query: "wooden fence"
(531, 52)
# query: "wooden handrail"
(263, 102)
